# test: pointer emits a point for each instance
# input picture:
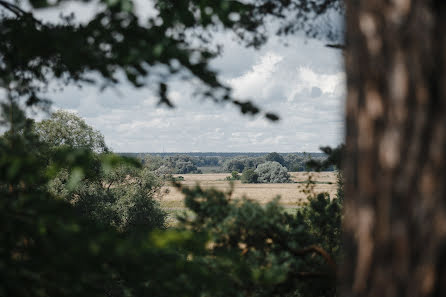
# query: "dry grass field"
(291, 194)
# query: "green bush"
(272, 172)
(249, 176)
(234, 176)
(123, 197)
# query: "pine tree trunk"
(395, 161)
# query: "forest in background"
(215, 162)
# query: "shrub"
(249, 176)
(234, 176)
(124, 198)
(272, 172)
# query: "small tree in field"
(249, 176)
(272, 172)
(234, 176)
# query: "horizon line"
(214, 152)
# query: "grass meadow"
(292, 195)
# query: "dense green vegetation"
(285, 254)
(177, 164)
(226, 162)
(249, 176)
(66, 129)
(272, 172)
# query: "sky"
(303, 82)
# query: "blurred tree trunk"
(395, 161)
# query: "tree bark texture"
(395, 159)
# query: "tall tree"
(395, 160)
(65, 128)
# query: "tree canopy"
(275, 157)
(272, 172)
(65, 128)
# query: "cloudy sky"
(302, 82)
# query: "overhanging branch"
(336, 46)
(18, 11)
(13, 8)
(318, 250)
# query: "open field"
(291, 194)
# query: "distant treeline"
(214, 162)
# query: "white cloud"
(327, 83)
(303, 83)
(255, 82)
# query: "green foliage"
(123, 197)
(233, 165)
(295, 163)
(275, 157)
(228, 162)
(48, 249)
(110, 189)
(241, 163)
(323, 216)
(206, 161)
(152, 162)
(234, 176)
(186, 167)
(181, 164)
(65, 128)
(282, 254)
(104, 187)
(249, 176)
(178, 164)
(272, 172)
